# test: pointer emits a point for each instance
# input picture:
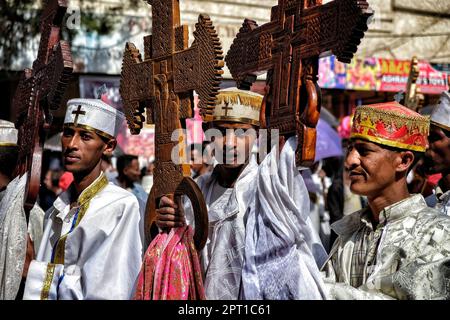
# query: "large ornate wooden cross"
(163, 83)
(413, 98)
(288, 48)
(39, 92)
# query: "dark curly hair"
(8, 160)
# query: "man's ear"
(110, 146)
(405, 161)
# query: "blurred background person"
(147, 176)
(50, 189)
(200, 159)
(129, 176)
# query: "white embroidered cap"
(441, 112)
(94, 115)
(235, 105)
(8, 134)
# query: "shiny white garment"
(103, 254)
(443, 204)
(283, 252)
(222, 257)
(13, 238)
(36, 226)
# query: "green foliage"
(19, 24)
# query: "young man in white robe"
(93, 239)
(229, 192)
(16, 247)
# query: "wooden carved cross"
(288, 48)
(413, 98)
(163, 83)
(39, 92)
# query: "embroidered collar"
(354, 221)
(90, 192)
(402, 208)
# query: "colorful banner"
(377, 74)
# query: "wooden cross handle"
(189, 188)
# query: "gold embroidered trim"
(235, 119)
(388, 142)
(421, 123)
(8, 144)
(48, 281)
(239, 98)
(89, 128)
(83, 202)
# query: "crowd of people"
(372, 223)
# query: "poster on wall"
(377, 74)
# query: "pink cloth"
(171, 268)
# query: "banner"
(377, 74)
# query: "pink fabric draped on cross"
(171, 268)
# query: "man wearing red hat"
(396, 247)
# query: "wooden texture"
(288, 48)
(159, 89)
(40, 92)
(413, 98)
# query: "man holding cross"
(229, 192)
(93, 237)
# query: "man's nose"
(352, 160)
(73, 142)
(229, 139)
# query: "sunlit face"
(48, 179)
(235, 141)
(371, 167)
(82, 149)
(132, 171)
(437, 157)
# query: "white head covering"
(441, 113)
(94, 115)
(8, 134)
(235, 105)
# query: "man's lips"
(356, 174)
(71, 158)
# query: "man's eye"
(86, 137)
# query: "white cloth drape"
(283, 252)
(13, 238)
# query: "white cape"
(13, 238)
(283, 252)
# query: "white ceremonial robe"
(102, 254)
(222, 257)
(13, 238)
(283, 252)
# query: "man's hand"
(29, 256)
(170, 214)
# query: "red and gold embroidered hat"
(391, 124)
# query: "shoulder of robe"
(430, 220)
(117, 194)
